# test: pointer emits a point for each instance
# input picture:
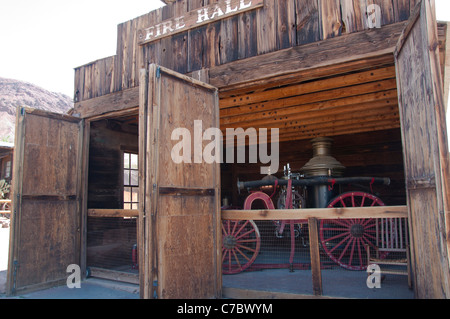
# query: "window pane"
(127, 194)
(8, 169)
(134, 178)
(126, 160)
(134, 161)
(135, 195)
(127, 206)
(126, 177)
(135, 206)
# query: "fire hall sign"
(196, 18)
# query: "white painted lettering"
(202, 15)
(217, 12)
(179, 23)
(149, 33)
(167, 27)
(245, 5)
(229, 9)
(158, 30)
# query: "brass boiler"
(322, 164)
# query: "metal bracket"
(158, 72)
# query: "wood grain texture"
(279, 25)
(46, 223)
(420, 101)
(182, 216)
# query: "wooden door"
(425, 151)
(45, 228)
(180, 217)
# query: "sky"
(42, 41)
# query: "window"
(130, 181)
(8, 169)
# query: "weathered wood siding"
(279, 25)
(425, 153)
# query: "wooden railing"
(5, 206)
(314, 216)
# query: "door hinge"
(16, 265)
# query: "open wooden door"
(180, 217)
(425, 151)
(45, 228)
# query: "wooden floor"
(337, 283)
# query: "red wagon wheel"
(240, 247)
(345, 240)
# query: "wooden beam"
(314, 247)
(310, 87)
(446, 65)
(174, 191)
(305, 110)
(113, 102)
(115, 213)
(114, 275)
(303, 118)
(351, 47)
(319, 213)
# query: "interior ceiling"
(350, 103)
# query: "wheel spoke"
(237, 260)
(247, 241)
(345, 249)
(224, 254)
(224, 232)
(344, 223)
(352, 252)
(359, 252)
(243, 255)
(246, 248)
(337, 245)
(338, 236)
(242, 227)
(234, 228)
(336, 229)
(246, 234)
(363, 200)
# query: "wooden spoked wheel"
(240, 246)
(345, 240)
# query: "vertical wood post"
(315, 256)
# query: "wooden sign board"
(196, 18)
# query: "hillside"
(15, 93)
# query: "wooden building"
(370, 74)
(6, 160)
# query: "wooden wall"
(279, 25)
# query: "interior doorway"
(113, 199)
